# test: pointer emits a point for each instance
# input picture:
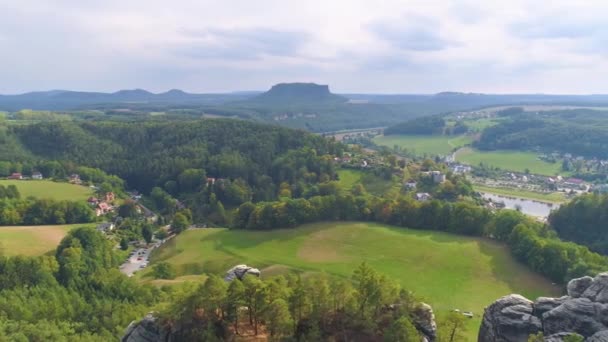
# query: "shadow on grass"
(518, 277)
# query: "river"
(528, 207)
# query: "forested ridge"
(148, 154)
(581, 132)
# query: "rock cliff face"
(146, 330)
(584, 312)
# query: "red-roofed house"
(15, 175)
(102, 208)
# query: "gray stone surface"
(577, 314)
(584, 312)
(544, 304)
(598, 290)
(601, 336)
(146, 330)
(509, 319)
(577, 286)
(239, 271)
(424, 320)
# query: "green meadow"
(49, 189)
(509, 160)
(445, 270)
(424, 144)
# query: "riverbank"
(548, 197)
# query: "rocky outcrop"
(424, 320)
(239, 271)
(146, 330)
(584, 312)
(509, 319)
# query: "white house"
(37, 175)
(423, 196)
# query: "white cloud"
(384, 46)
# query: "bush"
(164, 270)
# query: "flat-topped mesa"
(310, 93)
(583, 312)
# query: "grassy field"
(481, 124)
(445, 270)
(33, 240)
(553, 197)
(348, 178)
(509, 160)
(49, 189)
(424, 144)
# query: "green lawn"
(33, 240)
(509, 160)
(447, 271)
(424, 144)
(49, 189)
(553, 197)
(348, 178)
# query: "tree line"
(583, 220)
(533, 243)
(368, 306)
(580, 132)
(30, 211)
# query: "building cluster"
(103, 205)
(19, 176)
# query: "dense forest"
(77, 294)
(581, 132)
(423, 126)
(583, 220)
(148, 154)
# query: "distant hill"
(298, 93)
(69, 100)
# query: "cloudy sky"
(405, 46)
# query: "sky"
(407, 46)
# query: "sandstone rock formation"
(424, 320)
(239, 271)
(584, 311)
(146, 330)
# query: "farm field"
(33, 240)
(445, 270)
(49, 189)
(517, 161)
(552, 197)
(424, 144)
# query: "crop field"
(424, 144)
(509, 160)
(445, 270)
(33, 240)
(49, 189)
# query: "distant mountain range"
(281, 95)
(70, 100)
